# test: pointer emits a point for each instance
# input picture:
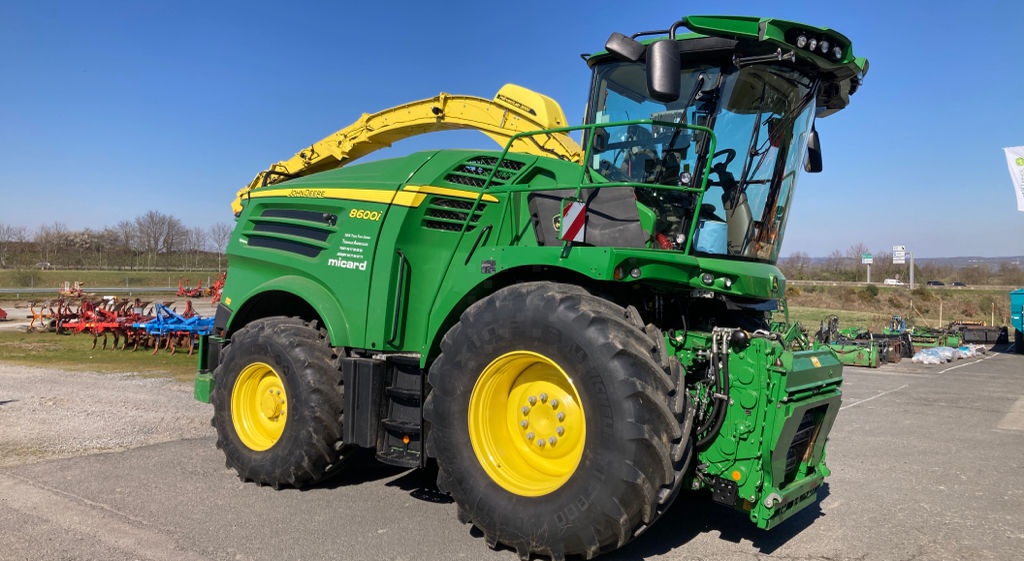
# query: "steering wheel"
(729, 153)
(725, 179)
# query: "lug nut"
(554, 404)
(543, 397)
(532, 399)
(540, 442)
(529, 436)
(524, 423)
(561, 416)
(560, 431)
(552, 441)
(525, 410)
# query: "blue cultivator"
(171, 330)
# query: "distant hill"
(993, 263)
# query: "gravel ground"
(48, 413)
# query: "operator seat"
(612, 217)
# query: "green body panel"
(351, 282)
(775, 461)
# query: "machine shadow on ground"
(691, 515)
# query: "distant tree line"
(846, 266)
(148, 242)
(155, 240)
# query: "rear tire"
(607, 468)
(277, 404)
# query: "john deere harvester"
(574, 331)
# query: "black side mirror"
(663, 65)
(626, 47)
(812, 163)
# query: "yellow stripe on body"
(409, 196)
(449, 192)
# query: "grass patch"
(75, 353)
(141, 282)
(872, 306)
(810, 318)
(13, 278)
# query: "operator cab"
(715, 160)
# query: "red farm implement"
(130, 323)
(216, 288)
(184, 291)
(100, 317)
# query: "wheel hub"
(271, 404)
(543, 424)
(526, 423)
(259, 406)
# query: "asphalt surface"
(928, 464)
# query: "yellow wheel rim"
(526, 423)
(259, 406)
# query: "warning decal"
(574, 219)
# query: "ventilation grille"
(475, 171)
(450, 214)
(802, 440)
(301, 232)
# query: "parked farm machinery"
(216, 288)
(184, 290)
(926, 337)
(171, 330)
(213, 291)
(123, 324)
(854, 346)
(41, 316)
(979, 332)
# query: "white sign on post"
(899, 254)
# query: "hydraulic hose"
(711, 428)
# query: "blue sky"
(111, 109)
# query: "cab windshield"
(716, 167)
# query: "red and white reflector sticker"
(574, 221)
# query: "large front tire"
(550, 420)
(277, 404)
